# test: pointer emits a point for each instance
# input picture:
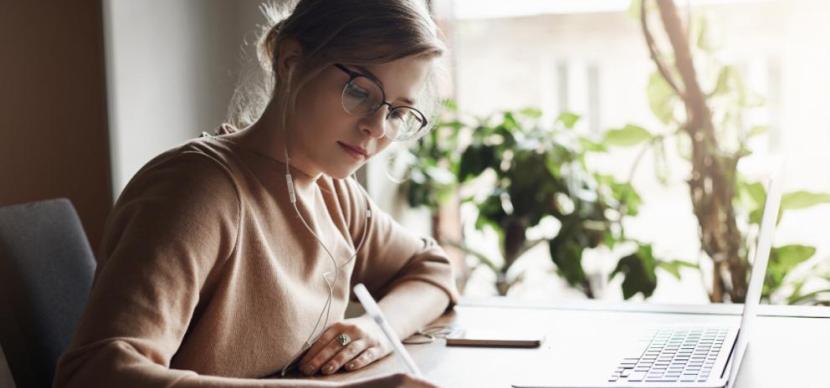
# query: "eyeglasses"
(362, 96)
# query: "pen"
(374, 312)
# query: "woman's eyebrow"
(407, 100)
(366, 72)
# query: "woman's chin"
(343, 172)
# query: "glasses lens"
(361, 96)
(404, 123)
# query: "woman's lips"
(356, 152)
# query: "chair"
(46, 272)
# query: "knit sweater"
(206, 270)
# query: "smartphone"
(495, 339)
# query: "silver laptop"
(673, 356)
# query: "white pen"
(373, 310)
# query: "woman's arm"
(411, 277)
(165, 237)
(412, 305)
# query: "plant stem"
(530, 245)
(634, 167)
(478, 255)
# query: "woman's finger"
(316, 360)
(369, 355)
(326, 347)
(324, 339)
(348, 353)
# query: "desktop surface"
(789, 349)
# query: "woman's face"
(326, 139)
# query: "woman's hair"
(357, 32)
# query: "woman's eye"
(397, 114)
(357, 92)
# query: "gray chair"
(46, 272)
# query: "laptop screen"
(756, 278)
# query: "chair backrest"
(46, 272)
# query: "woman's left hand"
(364, 344)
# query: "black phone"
(494, 338)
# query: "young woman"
(232, 257)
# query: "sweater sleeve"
(390, 254)
(166, 239)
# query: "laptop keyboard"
(674, 355)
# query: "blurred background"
(92, 90)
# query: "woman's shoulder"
(201, 165)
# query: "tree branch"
(478, 255)
(655, 54)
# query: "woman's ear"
(288, 55)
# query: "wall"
(172, 67)
(53, 125)
(53, 121)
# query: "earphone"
(292, 196)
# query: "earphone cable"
(331, 284)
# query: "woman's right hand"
(397, 380)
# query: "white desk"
(791, 346)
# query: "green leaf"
(589, 145)
(474, 160)
(638, 271)
(726, 80)
(757, 130)
(796, 293)
(756, 192)
(782, 260)
(790, 255)
(627, 136)
(566, 253)
(756, 215)
(531, 112)
(491, 212)
(568, 119)
(450, 105)
(703, 39)
(673, 267)
(803, 199)
(454, 124)
(510, 122)
(628, 196)
(661, 98)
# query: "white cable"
(292, 196)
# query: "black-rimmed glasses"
(363, 95)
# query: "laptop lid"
(757, 276)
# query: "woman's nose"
(374, 124)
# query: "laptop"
(703, 355)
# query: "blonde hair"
(357, 32)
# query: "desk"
(790, 348)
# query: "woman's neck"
(266, 137)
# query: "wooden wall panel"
(53, 120)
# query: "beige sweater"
(205, 270)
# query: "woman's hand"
(397, 380)
(365, 344)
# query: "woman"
(232, 257)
